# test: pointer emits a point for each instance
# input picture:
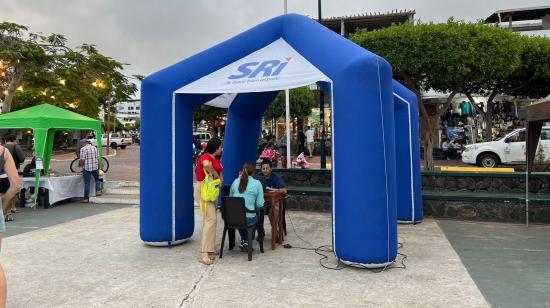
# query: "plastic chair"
(234, 216)
(224, 192)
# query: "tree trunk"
(482, 113)
(12, 87)
(428, 159)
(428, 137)
(473, 102)
(489, 118)
(447, 104)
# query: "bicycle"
(76, 168)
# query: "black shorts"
(4, 185)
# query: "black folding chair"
(234, 216)
(225, 191)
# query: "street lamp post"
(322, 112)
(108, 125)
(287, 116)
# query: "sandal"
(215, 253)
(8, 218)
(209, 262)
(13, 211)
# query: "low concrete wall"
(485, 182)
(487, 211)
(309, 203)
(514, 211)
(305, 177)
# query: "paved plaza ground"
(99, 260)
(86, 255)
(82, 255)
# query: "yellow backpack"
(210, 190)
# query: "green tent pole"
(48, 150)
(40, 136)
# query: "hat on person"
(85, 140)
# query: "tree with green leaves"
(459, 57)
(22, 53)
(301, 100)
(454, 57)
(36, 68)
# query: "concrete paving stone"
(508, 262)
(100, 261)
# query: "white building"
(128, 112)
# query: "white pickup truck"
(116, 140)
(509, 149)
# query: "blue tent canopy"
(407, 146)
(364, 193)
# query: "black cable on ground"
(320, 250)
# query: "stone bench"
(484, 196)
(486, 206)
(309, 198)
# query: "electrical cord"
(320, 250)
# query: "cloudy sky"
(152, 34)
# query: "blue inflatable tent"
(407, 146)
(245, 74)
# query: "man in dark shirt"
(273, 183)
(10, 142)
(272, 180)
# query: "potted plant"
(271, 155)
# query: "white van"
(509, 149)
(116, 140)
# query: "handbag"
(210, 191)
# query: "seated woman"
(251, 190)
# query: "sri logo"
(253, 69)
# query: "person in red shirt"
(210, 163)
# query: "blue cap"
(84, 140)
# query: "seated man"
(273, 183)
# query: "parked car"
(509, 149)
(116, 140)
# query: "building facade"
(128, 112)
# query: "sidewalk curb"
(121, 184)
(106, 200)
(119, 192)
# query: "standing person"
(213, 166)
(251, 190)
(7, 166)
(89, 160)
(310, 141)
(447, 149)
(282, 149)
(302, 142)
(10, 143)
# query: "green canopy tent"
(45, 120)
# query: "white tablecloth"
(61, 187)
